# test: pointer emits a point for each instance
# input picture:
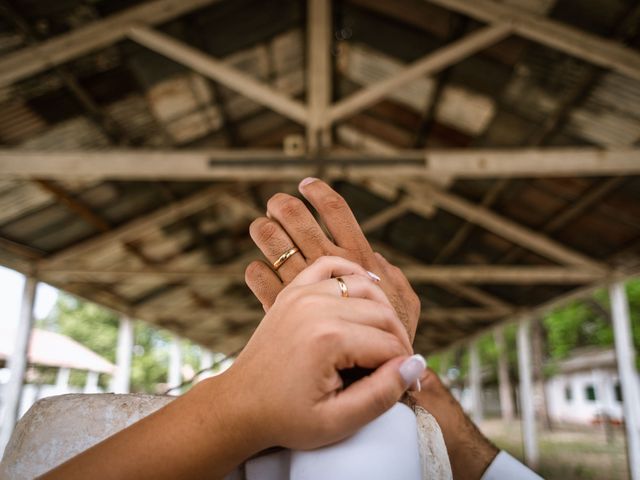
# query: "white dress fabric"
(505, 467)
(400, 444)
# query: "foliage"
(580, 323)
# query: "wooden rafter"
(581, 44)
(99, 34)
(220, 72)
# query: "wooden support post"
(62, 379)
(121, 379)
(318, 73)
(504, 382)
(175, 365)
(91, 384)
(625, 355)
(475, 377)
(17, 364)
(527, 409)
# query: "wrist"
(230, 418)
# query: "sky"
(11, 285)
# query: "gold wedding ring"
(344, 291)
(284, 257)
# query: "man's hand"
(289, 223)
(470, 452)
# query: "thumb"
(373, 395)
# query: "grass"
(566, 452)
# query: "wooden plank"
(570, 40)
(139, 226)
(265, 164)
(504, 227)
(319, 72)
(520, 275)
(99, 34)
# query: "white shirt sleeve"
(505, 467)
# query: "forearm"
(199, 435)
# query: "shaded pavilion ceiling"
(513, 94)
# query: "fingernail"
(307, 181)
(373, 276)
(412, 368)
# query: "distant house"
(586, 388)
(52, 349)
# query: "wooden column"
(625, 355)
(318, 73)
(507, 409)
(17, 363)
(527, 409)
(175, 365)
(475, 380)
(122, 378)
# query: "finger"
(336, 215)
(326, 267)
(373, 395)
(374, 314)
(263, 282)
(403, 297)
(366, 346)
(358, 287)
(297, 221)
(273, 241)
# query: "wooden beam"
(139, 226)
(319, 72)
(551, 33)
(220, 72)
(469, 292)
(504, 227)
(77, 207)
(144, 164)
(427, 65)
(99, 34)
(521, 275)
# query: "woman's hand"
(289, 370)
(283, 390)
(289, 223)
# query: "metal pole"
(122, 378)
(625, 355)
(17, 363)
(476, 382)
(504, 382)
(527, 409)
(175, 365)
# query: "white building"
(52, 349)
(586, 388)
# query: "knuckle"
(286, 205)
(254, 271)
(334, 202)
(381, 400)
(264, 231)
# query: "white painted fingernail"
(373, 276)
(412, 368)
(307, 181)
(418, 386)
